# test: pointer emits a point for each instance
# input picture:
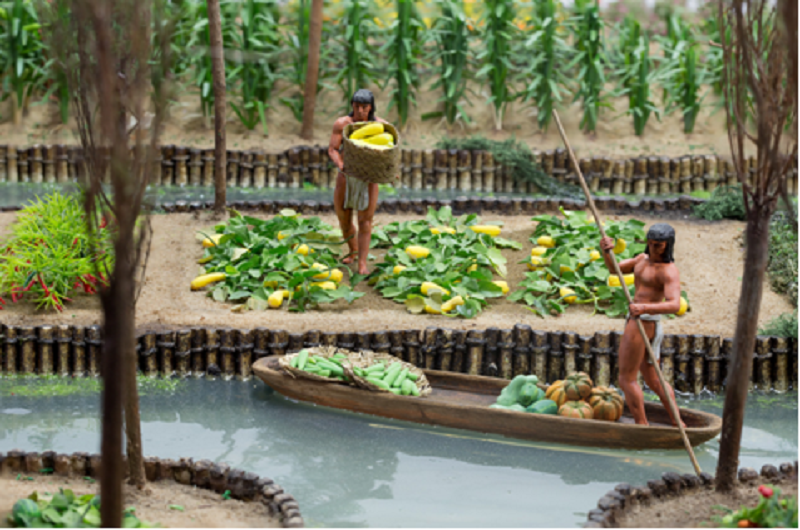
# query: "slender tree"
(312, 72)
(218, 73)
(756, 62)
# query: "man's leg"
(365, 228)
(651, 378)
(631, 354)
(345, 217)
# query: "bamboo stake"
(673, 407)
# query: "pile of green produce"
(567, 268)
(394, 378)
(260, 263)
(65, 510)
(320, 366)
(524, 395)
(49, 253)
(443, 264)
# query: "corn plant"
(255, 37)
(587, 29)
(21, 53)
(200, 43)
(405, 50)
(451, 51)
(636, 74)
(499, 34)
(542, 57)
(357, 66)
(681, 73)
(54, 72)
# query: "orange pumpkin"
(578, 386)
(606, 404)
(556, 393)
(576, 409)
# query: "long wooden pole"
(218, 75)
(673, 407)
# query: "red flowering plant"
(50, 254)
(772, 511)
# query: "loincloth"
(356, 194)
(659, 336)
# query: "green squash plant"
(65, 510)
(49, 253)
(772, 511)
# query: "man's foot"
(350, 258)
(362, 269)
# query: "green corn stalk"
(54, 72)
(636, 74)
(452, 53)
(21, 53)
(357, 69)
(256, 38)
(200, 44)
(681, 73)
(499, 34)
(405, 50)
(587, 28)
(542, 57)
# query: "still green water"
(354, 470)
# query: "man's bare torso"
(650, 279)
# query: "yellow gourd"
(546, 241)
(327, 286)
(271, 284)
(417, 252)
(613, 280)
(684, 307)
(440, 229)
(212, 241)
(594, 255)
(620, 246)
(493, 231)
(564, 292)
(205, 279)
(398, 269)
(380, 139)
(452, 304)
(304, 250)
(205, 260)
(367, 130)
(332, 274)
(432, 311)
(538, 251)
(427, 286)
(503, 285)
(276, 299)
(472, 268)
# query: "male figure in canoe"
(352, 193)
(658, 292)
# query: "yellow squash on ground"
(332, 274)
(304, 250)
(440, 229)
(427, 286)
(503, 285)
(327, 286)
(205, 279)
(212, 241)
(276, 299)
(568, 295)
(398, 269)
(613, 280)
(417, 252)
(594, 255)
(538, 251)
(491, 230)
(684, 307)
(546, 241)
(452, 304)
(620, 246)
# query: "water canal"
(353, 470)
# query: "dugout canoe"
(462, 402)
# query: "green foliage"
(569, 265)
(49, 253)
(587, 30)
(518, 158)
(358, 68)
(65, 510)
(545, 52)
(782, 264)
(772, 511)
(451, 51)
(405, 58)
(784, 325)
(635, 74)
(725, 203)
(451, 255)
(681, 73)
(20, 52)
(25, 385)
(499, 33)
(253, 257)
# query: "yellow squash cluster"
(373, 136)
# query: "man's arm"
(626, 266)
(335, 143)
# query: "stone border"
(421, 169)
(203, 474)
(624, 496)
(691, 363)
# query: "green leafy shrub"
(725, 203)
(49, 255)
(771, 512)
(782, 264)
(784, 325)
(65, 510)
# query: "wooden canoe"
(462, 402)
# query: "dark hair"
(663, 232)
(363, 95)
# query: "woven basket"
(371, 165)
(368, 358)
(322, 351)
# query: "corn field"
(539, 54)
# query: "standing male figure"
(658, 292)
(352, 193)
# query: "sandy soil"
(708, 255)
(202, 508)
(614, 137)
(694, 511)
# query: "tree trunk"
(312, 70)
(757, 241)
(133, 426)
(218, 73)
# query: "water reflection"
(350, 469)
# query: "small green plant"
(725, 203)
(636, 74)
(499, 34)
(405, 50)
(782, 264)
(784, 325)
(65, 510)
(681, 73)
(357, 65)
(49, 253)
(772, 511)
(587, 29)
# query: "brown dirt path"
(708, 255)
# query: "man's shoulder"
(343, 120)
